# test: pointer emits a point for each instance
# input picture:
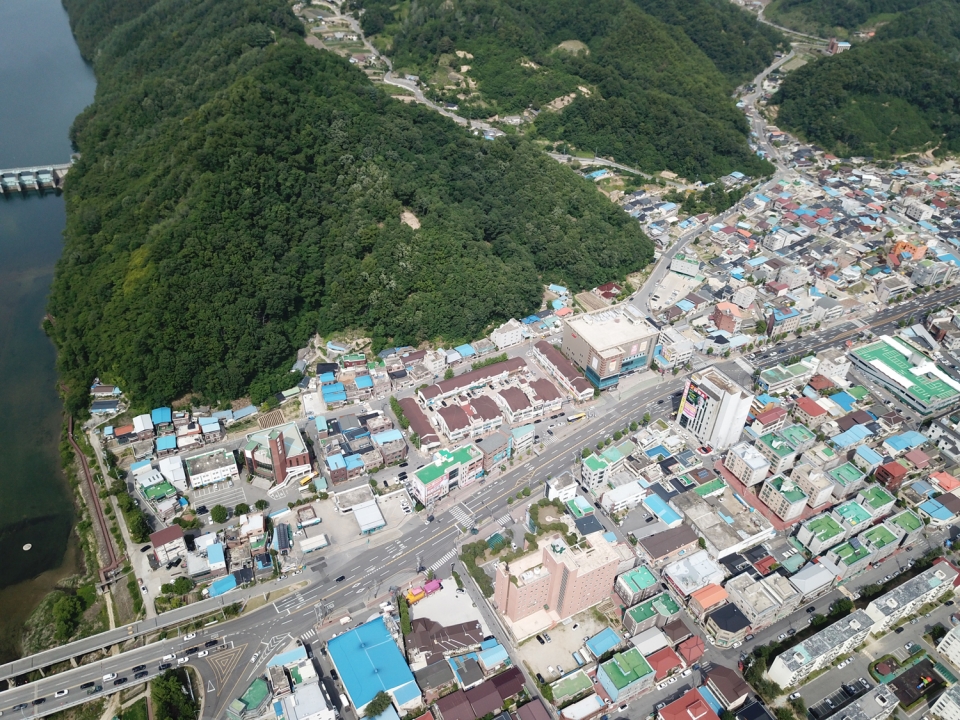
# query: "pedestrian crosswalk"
(461, 516)
(443, 561)
(309, 634)
(505, 520)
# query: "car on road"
(540, 679)
(39, 701)
(181, 661)
(541, 640)
(782, 636)
(794, 696)
(138, 668)
(623, 707)
(791, 631)
(119, 681)
(193, 650)
(60, 693)
(749, 637)
(171, 656)
(109, 676)
(211, 643)
(146, 548)
(164, 666)
(255, 657)
(672, 680)
(898, 631)
(87, 685)
(659, 402)
(403, 464)
(202, 510)
(907, 646)
(547, 637)
(191, 636)
(21, 706)
(94, 689)
(203, 653)
(660, 705)
(141, 675)
(811, 609)
(341, 578)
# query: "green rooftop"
(849, 555)
(616, 453)
(573, 684)
(927, 388)
(879, 536)
(779, 373)
(159, 491)
(797, 435)
(448, 458)
(793, 494)
(857, 392)
(626, 668)
(845, 474)
(661, 604)
(777, 444)
(256, 693)
(579, 507)
(638, 579)
(595, 463)
(907, 520)
(853, 513)
(714, 486)
(876, 497)
(823, 527)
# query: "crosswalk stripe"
(444, 560)
(505, 520)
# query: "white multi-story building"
(783, 497)
(212, 467)
(675, 348)
(949, 646)
(834, 365)
(685, 264)
(747, 464)
(817, 485)
(906, 599)
(820, 650)
(744, 297)
(947, 706)
(714, 408)
(508, 334)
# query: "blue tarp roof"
(334, 388)
(223, 585)
(603, 642)
(369, 662)
(465, 350)
(936, 511)
(844, 400)
(161, 415)
(364, 381)
(215, 553)
(327, 378)
(333, 397)
(166, 442)
(386, 436)
(353, 462)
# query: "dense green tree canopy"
(239, 191)
(659, 74)
(825, 16)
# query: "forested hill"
(653, 78)
(239, 191)
(832, 17)
(895, 94)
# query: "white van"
(344, 703)
(111, 676)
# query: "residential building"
(909, 597)
(763, 600)
(947, 706)
(450, 469)
(910, 525)
(391, 445)
(783, 497)
(810, 412)
(554, 582)
(876, 500)
(562, 370)
(669, 545)
(790, 667)
(834, 365)
(878, 704)
(693, 572)
(783, 320)
(168, 544)
(563, 487)
(891, 287)
(654, 611)
(726, 523)
(727, 687)
(820, 533)
(821, 456)
(744, 296)
(780, 378)
(625, 675)
(891, 474)
(435, 394)
(508, 334)
(706, 599)
(882, 540)
(685, 264)
(496, 449)
(930, 272)
(212, 467)
(726, 316)
(769, 421)
(848, 559)
(714, 408)
(277, 453)
(812, 581)
(817, 485)
(780, 453)
(623, 497)
(747, 464)
(690, 706)
(847, 479)
(609, 343)
(598, 469)
(949, 646)
(675, 348)
(853, 516)
(636, 585)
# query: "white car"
(203, 653)
(60, 693)
(166, 658)
(661, 686)
(672, 680)
(181, 661)
(109, 677)
(191, 636)
(256, 655)
(686, 673)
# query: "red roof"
(691, 706)
(918, 458)
(810, 407)
(167, 535)
(691, 649)
(763, 566)
(894, 469)
(663, 661)
(946, 481)
(770, 416)
(820, 383)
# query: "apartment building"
(848, 559)
(654, 611)
(727, 625)
(212, 467)
(675, 347)
(625, 675)
(747, 464)
(876, 500)
(434, 395)
(909, 597)
(783, 497)
(508, 334)
(810, 412)
(949, 646)
(816, 485)
(780, 453)
(554, 582)
(608, 343)
(769, 421)
(726, 316)
(821, 456)
(714, 408)
(947, 706)
(763, 600)
(636, 585)
(834, 365)
(820, 533)
(816, 652)
(562, 370)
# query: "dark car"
(540, 679)
(146, 548)
(39, 701)
(404, 464)
(429, 518)
(138, 668)
(549, 432)
(791, 631)
(202, 510)
(898, 630)
(541, 640)
(659, 402)
(94, 690)
(333, 674)
(176, 563)
(341, 578)
(21, 706)
(164, 666)
(194, 650)
(811, 609)
(140, 675)
(119, 681)
(86, 685)
(211, 643)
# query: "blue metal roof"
(386, 436)
(603, 642)
(167, 442)
(160, 416)
(215, 553)
(369, 662)
(223, 585)
(353, 462)
(844, 400)
(465, 350)
(869, 455)
(244, 412)
(364, 381)
(336, 462)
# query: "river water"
(44, 84)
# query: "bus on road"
(574, 418)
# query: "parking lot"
(219, 494)
(839, 698)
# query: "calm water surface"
(44, 84)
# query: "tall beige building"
(540, 589)
(609, 343)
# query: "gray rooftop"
(826, 640)
(940, 575)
